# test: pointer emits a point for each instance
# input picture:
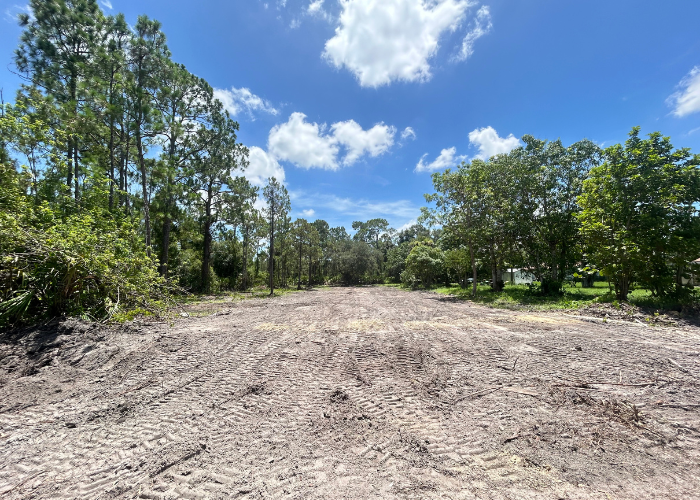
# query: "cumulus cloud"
(262, 166)
(490, 144)
(448, 158)
(687, 99)
(374, 141)
(482, 25)
(237, 101)
(388, 40)
(308, 145)
(408, 133)
(308, 213)
(303, 144)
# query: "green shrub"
(89, 264)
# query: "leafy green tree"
(412, 233)
(324, 240)
(301, 242)
(457, 260)
(370, 231)
(28, 129)
(357, 262)
(106, 93)
(640, 212)
(425, 262)
(548, 179)
(396, 260)
(461, 208)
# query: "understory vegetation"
(571, 297)
(122, 184)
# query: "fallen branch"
(677, 365)
(138, 387)
(183, 458)
(478, 394)
(585, 385)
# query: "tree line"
(629, 212)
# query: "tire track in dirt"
(365, 393)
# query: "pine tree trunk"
(144, 190)
(309, 270)
(206, 274)
(76, 173)
(299, 282)
(245, 260)
(271, 264)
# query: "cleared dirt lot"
(352, 393)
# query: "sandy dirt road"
(352, 393)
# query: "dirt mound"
(24, 352)
(628, 312)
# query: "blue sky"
(355, 102)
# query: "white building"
(517, 276)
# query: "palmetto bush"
(88, 263)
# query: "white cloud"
(237, 101)
(482, 25)
(410, 223)
(308, 213)
(388, 40)
(261, 167)
(260, 204)
(408, 133)
(295, 24)
(447, 159)
(303, 144)
(374, 141)
(687, 99)
(490, 144)
(107, 4)
(307, 145)
(315, 7)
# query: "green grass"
(520, 297)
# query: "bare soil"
(352, 393)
